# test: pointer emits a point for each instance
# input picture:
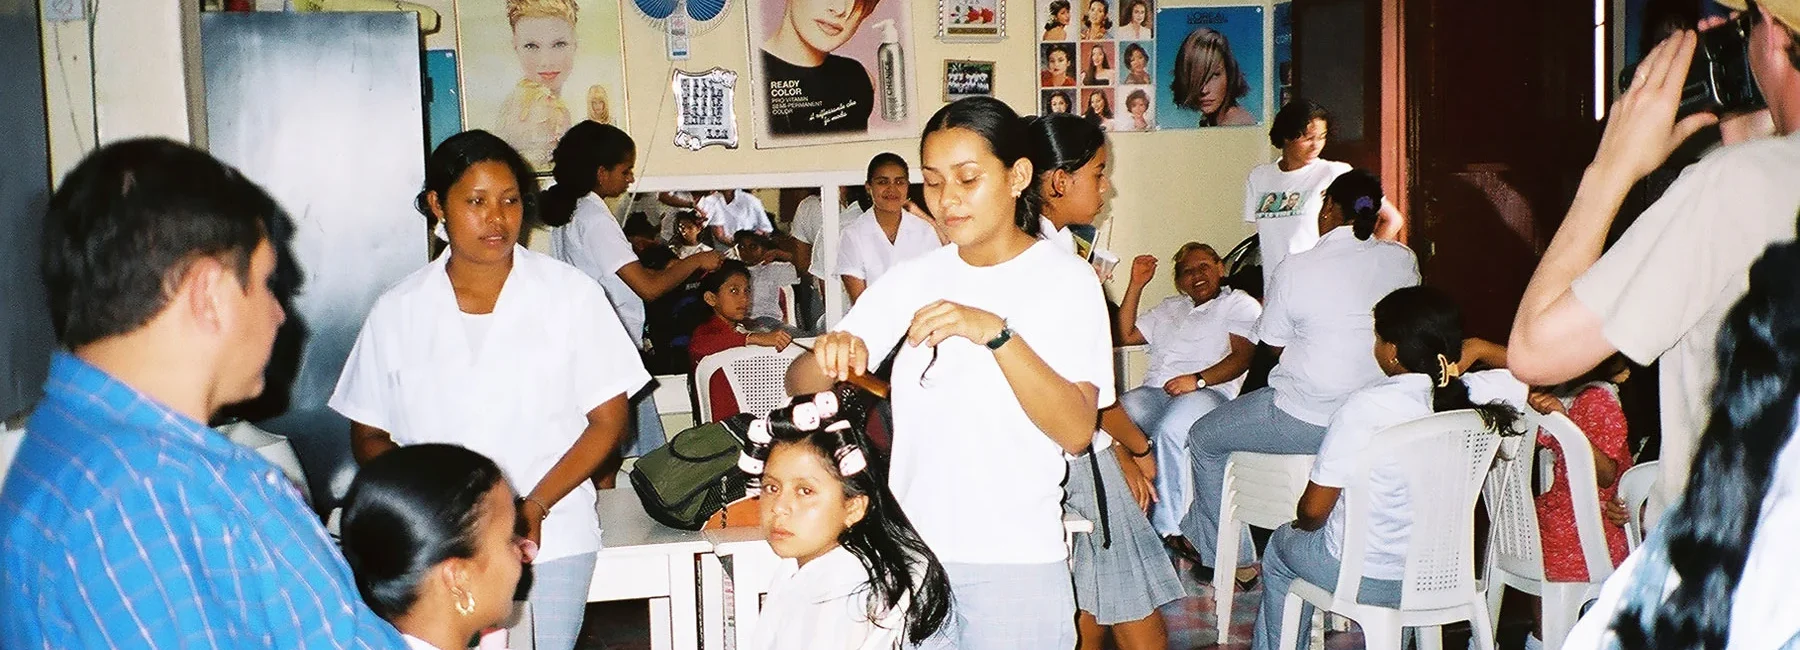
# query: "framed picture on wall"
(968, 79)
(1209, 63)
(530, 69)
(818, 76)
(971, 21)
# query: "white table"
(643, 559)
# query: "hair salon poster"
(826, 72)
(1096, 59)
(1209, 67)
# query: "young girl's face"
(1097, 103)
(888, 187)
(1140, 14)
(482, 212)
(1096, 13)
(732, 301)
(689, 231)
(1057, 62)
(970, 190)
(1098, 54)
(1308, 146)
(546, 49)
(613, 181)
(1138, 106)
(1062, 16)
(825, 25)
(1387, 357)
(1059, 104)
(804, 507)
(493, 574)
(1138, 60)
(1084, 193)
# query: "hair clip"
(1363, 204)
(850, 460)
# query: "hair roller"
(850, 460)
(827, 403)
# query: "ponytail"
(1005, 133)
(1357, 194)
(1425, 327)
(580, 155)
(1707, 536)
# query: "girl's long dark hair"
(456, 154)
(1006, 136)
(408, 510)
(580, 155)
(1056, 6)
(897, 559)
(1707, 535)
(1357, 194)
(1425, 326)
(1062, 141)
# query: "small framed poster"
(703, 109)
(968, 79)
(971, 21)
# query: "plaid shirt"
(124, 524)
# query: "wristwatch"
(1148, 449)
(1000, 339)
(1199, 381)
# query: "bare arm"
(674, 200)
(802, 257)
(854, 286)
(1555, 337)
(719, 235)
(367, 442)
(1391, 224)
(605, 428)
(1234, 365)
(1315, 506)
(1117, 424)
(1065, 411)
(1143, 267)
(651, 284)
(1484, 352)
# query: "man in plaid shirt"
(125, 522)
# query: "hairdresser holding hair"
(430, 532)
(535, 377)
(1317, 317)
(992, 386)
(594, 163)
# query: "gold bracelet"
(533, 501)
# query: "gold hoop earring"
(466, 604)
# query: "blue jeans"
(1295, 553)
(1251, 422)
(1008, 606)
(646, 431)
(1166, 420)
(558, 597)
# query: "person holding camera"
(1661, 291)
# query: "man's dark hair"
(127, 222)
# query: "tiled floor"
(1192, 623)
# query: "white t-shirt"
(961, 436)
(1714, 222)
(766, 281)
(1285, 208)
(593, 242)
(1320, 308)
(554, 352)
(742, 212)
(1368, 412)
(821, 606)
(1186, 339)
(866, 253)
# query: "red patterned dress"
(1597, 411)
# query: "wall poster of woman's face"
(825, 71)
(1209, 67)
(533, 68)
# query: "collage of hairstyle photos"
(1210, 67)
(1095, 59)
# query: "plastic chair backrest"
(790, 310)
(1513, 542)
(1265, 487)
(276, 449)
(1584, 492)
(1444, 458)
(1635, 486)
(757, 376)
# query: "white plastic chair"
(790, 309)
(276, 449)
(1635, 487)
(1260, 490)
(1444, 458)
(1515, 548)
(757, 376)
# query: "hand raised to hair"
(840, 355)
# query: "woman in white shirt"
(594, 163)
(1122, 575)
(1719, 569)
(992, 386)
(1317, 317)
(886, 234)
(729, 211)
(429, 531)
(507, 352)
(1418, 334)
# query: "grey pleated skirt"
(1130, 579)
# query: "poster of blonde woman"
(533, 68)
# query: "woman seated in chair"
(431, 532)
(1418, 333)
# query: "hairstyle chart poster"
(533, 68)
(1284, 54)
(821, 73)
(1096, 59)
(1209, 67)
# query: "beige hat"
(1786, 11)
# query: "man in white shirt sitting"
(730, 211)
(1200, 342)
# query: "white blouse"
(823, 606)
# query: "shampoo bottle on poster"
(891, 68)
